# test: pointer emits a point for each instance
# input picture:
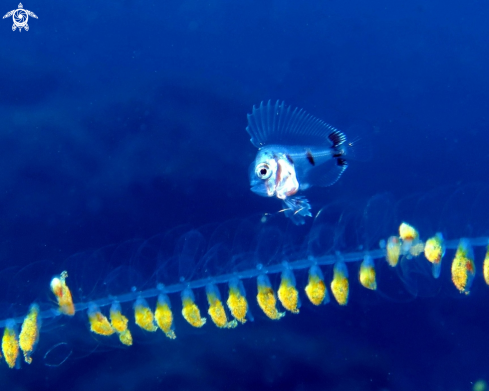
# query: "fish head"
(273, 174)
(263, 174)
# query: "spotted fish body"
(295, 151)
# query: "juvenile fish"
(295, 151)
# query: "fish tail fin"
(358, 145)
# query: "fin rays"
(278, 124)
(322, 177)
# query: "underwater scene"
(231, 195)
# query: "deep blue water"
(125, 119)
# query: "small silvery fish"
(295, 151)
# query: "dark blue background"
(123, 119)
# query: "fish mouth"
(260, 189)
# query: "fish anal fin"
(326, 174)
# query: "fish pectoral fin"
(296, 208)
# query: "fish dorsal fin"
(277, 124)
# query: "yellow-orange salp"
(463, 267)
(10, 344)
(63, 294)
(99, 324)
(191, 313)
(143, 316)
(164, 318)
(315, 289)
(367, 274)
(433, 249)
(288, 294)
(393, 251)
(237, 304)
(408, 232)
(119, 323)
(29, 334)
(218, 314)
(486, 266)
(340, 286)
(268, 301)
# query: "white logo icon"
(20, 17)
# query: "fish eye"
(263, 171)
